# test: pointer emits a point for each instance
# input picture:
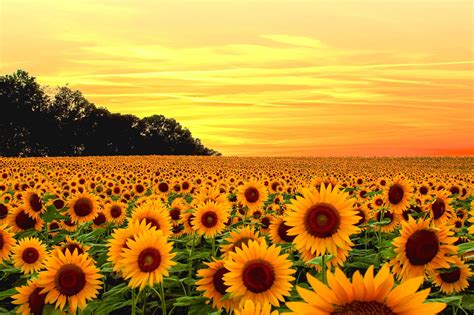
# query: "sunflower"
(116, 212)
(147, 259)
(70, 278)
(20, 221)
(54, 227)
(440, 210)
(30, 298)
(177, 206)
(83, 208)
(213, 287)
(454, 279)
(70, 245)
(6, 242)
(264, 223)
(187, 221)
(29, 255)
(68, 225)
(153, 212)
(364, 295)
(364, 215)
(118, 242)
(322, 221)
(177, 230)
(238, 237)
(100, 221)
(4, 211)
(421, 248)
(279, 232)
(33, 204)
(471, 219)
(250, 308)
(252, 194)
(392, 218)
(337, 260)
(209, 219)
(398, 194)
(259, 273)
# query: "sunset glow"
(264, 78)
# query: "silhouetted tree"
(68, 124)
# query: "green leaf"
(454, 300)
(465, 247)
(189, 300)
(94, 235)
(51, 310)
(52, 214)
(468, 302)
(8, 293)
(319, 260)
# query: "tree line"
(32, 123)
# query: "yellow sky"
(264, 77)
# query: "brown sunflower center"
(190, 220)
(54, 226)
(238, 244)
(139, 188)
(421, 247)
(258, 276)
(70, 280)
(423, 190)
(163, 187)
(3, 211)
(283, 233)
(451, 276)
(209, 219)
(185, 185)
(71, 247)
(454, 190)
(395, 194)
(251, 194)
(177, 228)
(175, 213)
(149, 259)
(24, 221)
(361, 214)
(363, 308)
(115, 211)
(83, 207)
(100, 219)
(218, 281)
(378, 202)
(322, 220)
(36, 301)
(265, 222)
(438, 208)
(152, 221)
(69, 223)
(30, 255)
(1, 241)
(35, 203)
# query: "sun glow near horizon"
(264, 78)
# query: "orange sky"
(365, 77)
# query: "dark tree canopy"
(67, 124)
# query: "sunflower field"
(225, 235)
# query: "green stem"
(134, 303)
(190, 262)
(213, 247)
(163, 299)
(144, 301)
(324, 268)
